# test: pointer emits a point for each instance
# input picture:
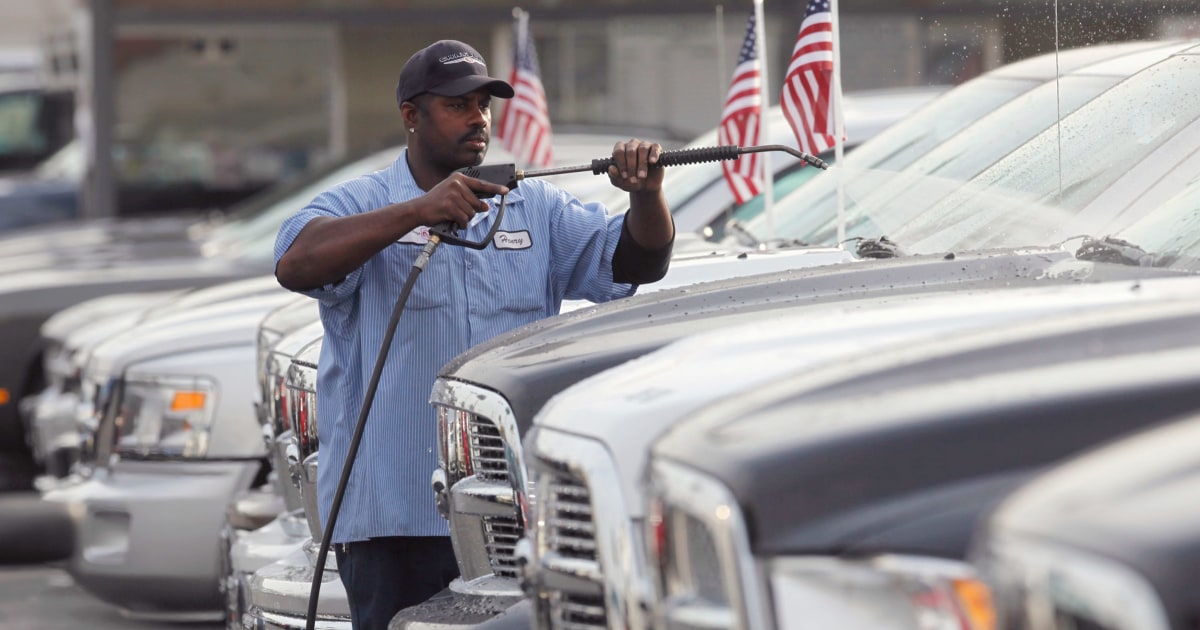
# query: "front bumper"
(246, 551)
(461, 605)
(149, 534)
(278, 593)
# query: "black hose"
(360, 426)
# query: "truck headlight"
(264, 342)
(699, 553)
(164, 416)
(301, 406)
(454, 444)
(885, 592)
(708, 577)
(1046, 585)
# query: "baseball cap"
(447, 68)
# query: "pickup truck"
(61, 414)
(175, 439)
(1106, 540)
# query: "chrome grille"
(570, 531)
(574, 611)
(502, 534)
(487, 451)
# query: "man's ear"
(409, 113)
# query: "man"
(352, 249)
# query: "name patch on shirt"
(512, 240)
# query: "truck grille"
(569, 528)
(570, 532)
(502, 534)
(574, 611)
(487, 451)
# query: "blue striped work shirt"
(550, 246)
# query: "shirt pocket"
(515, 279)
(430, 289)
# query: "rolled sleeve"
(288, 232)
(337, 202)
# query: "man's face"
(457, 129)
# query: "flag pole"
(721, 76)
(839, 125)
(764, 120)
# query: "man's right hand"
(457, 199)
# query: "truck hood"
(234, 322)
(298, 312)
(701, 262)
(628, 407)
(902, 450)
(105, 321)
(76, 319)
(530, 364)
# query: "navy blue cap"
(447, 68)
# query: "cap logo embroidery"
(460, 58)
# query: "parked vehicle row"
(795, 436)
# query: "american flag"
(807, 97)
(524, 128)
(741, 120)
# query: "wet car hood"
(530, 364)
(629, 407)
(81, 328)
(1133, 502)
(228, 323)
(903, 450)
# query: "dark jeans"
(384, 575)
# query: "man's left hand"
(631, 170)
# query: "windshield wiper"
(748, 238)
(1114, 250)
(744, 235)
(881, 247)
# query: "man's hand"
(631, 170)
(456, 199)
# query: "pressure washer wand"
(685, 156)
(508, 174)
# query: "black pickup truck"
(1109, 540)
